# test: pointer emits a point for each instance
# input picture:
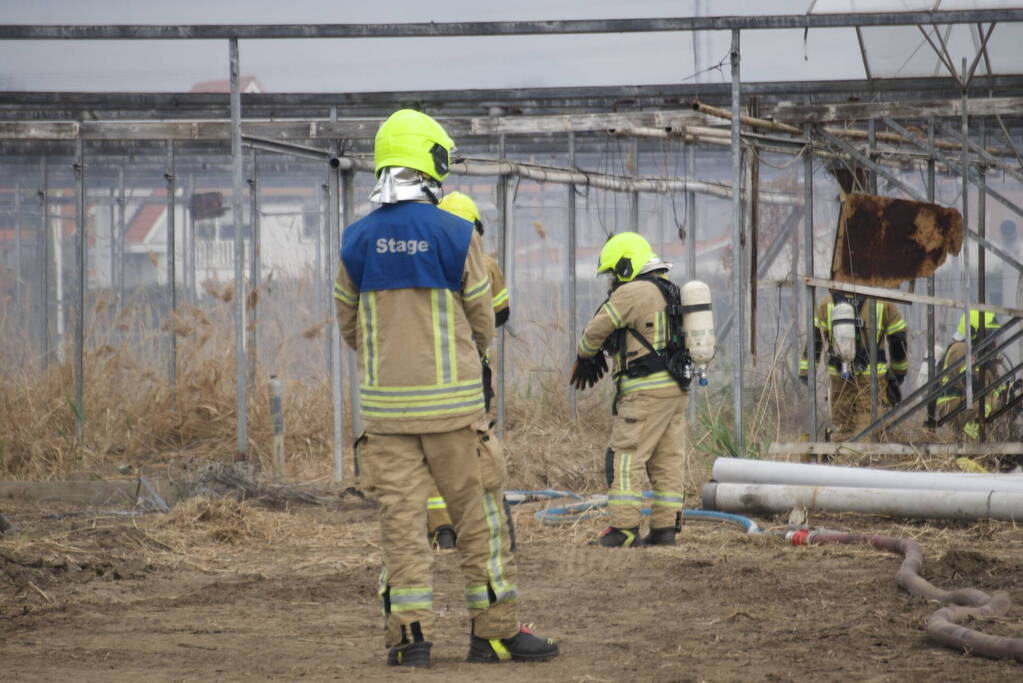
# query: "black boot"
(662, 535)
(443, 537)
(521, 647)
(613, 537)
(410, 653)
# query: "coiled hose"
(942, 626)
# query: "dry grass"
(134, 415)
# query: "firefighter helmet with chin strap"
(462, 206)
(625, 254)
(414, 140)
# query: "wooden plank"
(934, 449)
(907, 297)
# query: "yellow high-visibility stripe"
(345, 296)
(452, 361)
(413, 400)
(585, 349)
(655, 380)
(616, 319)
(436, 503)
(503, 589)
(438, 353)
(370, 347)
(500, 298)
(477, 290)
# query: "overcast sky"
(356, 65)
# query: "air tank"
(843, 335)
(698, 325)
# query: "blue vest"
(405, 245)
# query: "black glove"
(893, 392)
(488, 385)
(587, 371)
(805, 379)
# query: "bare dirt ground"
(218, 591)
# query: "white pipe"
(914, 503)
(742, 470)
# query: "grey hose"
(964, 603)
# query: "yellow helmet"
(412, 139)
(625, 254)
(989, 324)
(462, 206)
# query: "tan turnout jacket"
(639, 305)
(419, 350)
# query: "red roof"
(145, 219)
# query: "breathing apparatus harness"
(673, 359)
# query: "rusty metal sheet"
(882, 241)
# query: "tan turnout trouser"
(648, 439)
(468, 467)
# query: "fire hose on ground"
(943, 626)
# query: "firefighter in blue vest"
(413, 299)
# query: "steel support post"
(187, 239)
(237, 206)
(47, 247)
(193, 262)
(634, 195)
(80, 277)
(811, 369)
(966, 244)
(872, 321)
(255, 270)
(172, 265)
(348, 217)
(738, 252)
(570, 295)
(932, 361)
(330, 253)
(504, 255)
(18, 221)
(691, 232)
(981, 264)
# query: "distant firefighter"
(841, 321)
(967, 423)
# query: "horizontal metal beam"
(898, 109)
(500, 28)
(346, 128)
(907, 297)
(583, 96)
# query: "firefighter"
(850, 381)
(438, 521)
(984, 375)
(413, 300)
(648, 435)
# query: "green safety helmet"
(625, 254)
(462, 206)
(412, 139)
(989, 324)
